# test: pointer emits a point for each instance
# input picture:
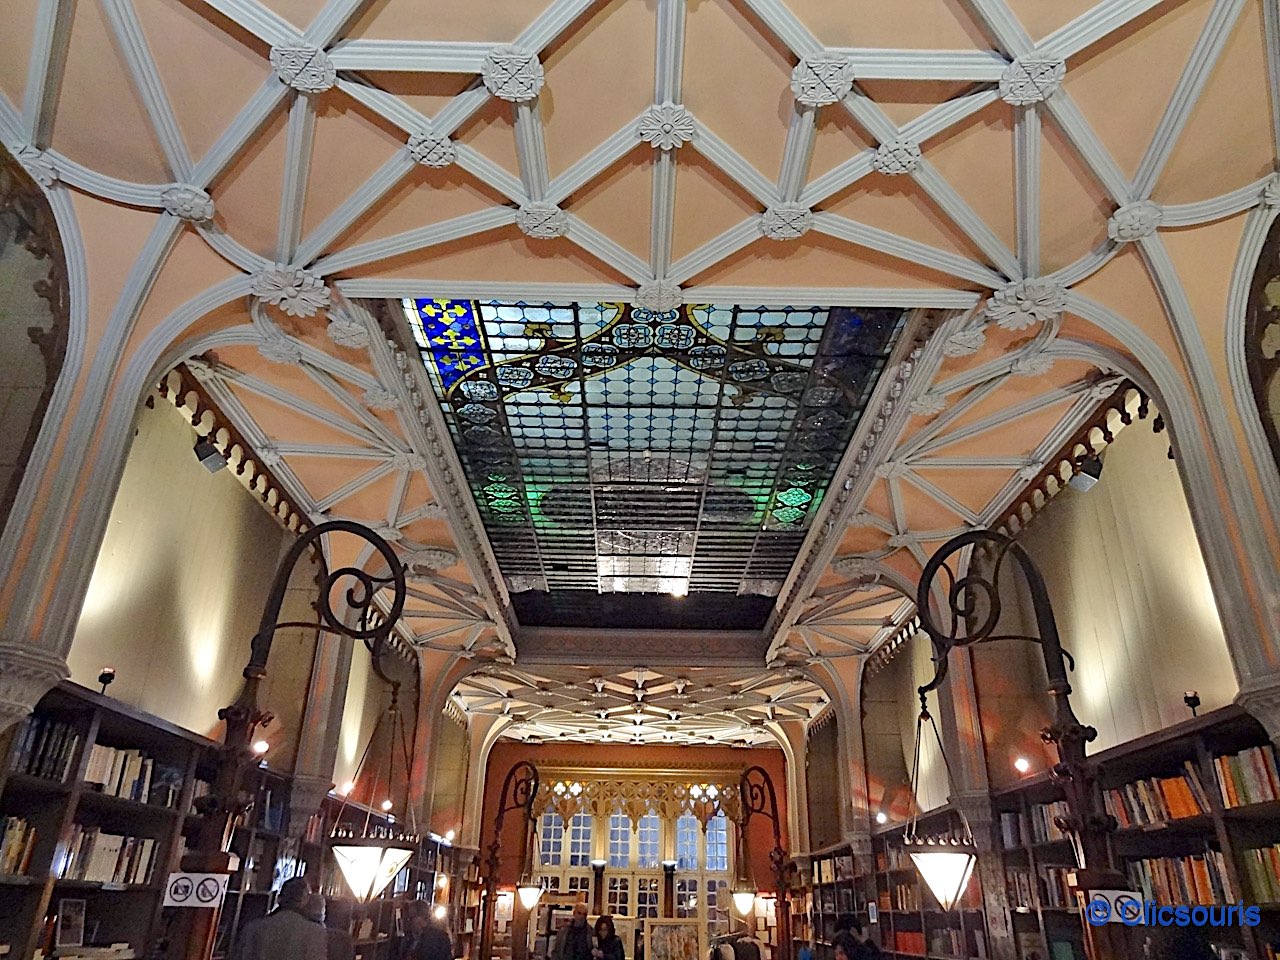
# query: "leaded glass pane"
(718, 843)
(718, 902)
(686, 897)
(618, 896)
(619, 840)
(613, 450)
(649, 842)
(687, 830)
(648, 896)
(550, 840)
(580, 840)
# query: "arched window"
(1262, 339)
(34, 321)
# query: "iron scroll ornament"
(973, 602)
(371, 625)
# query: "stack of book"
(906, 941)
(1262, 872)
(1043, 829)
(906, 897)
(17, 841)
(1158, 799)
(1249, 776)
(45, 748)
(120, 773)
(1199, 879)
(107, 857)
(950, 942)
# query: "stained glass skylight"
(613, 450)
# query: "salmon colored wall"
(507, 753)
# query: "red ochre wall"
(506, 753)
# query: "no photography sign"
(204, 890)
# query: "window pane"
(649, 892)
(649, 842)
(718, 921)
(550, 840)
(618, 897)
(619, 840)
(582, 885)
(687, 829)
(718, 843)
(686, 897)
(580, 840)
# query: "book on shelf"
(1262, 873)
(45, 748)
(1055, 887)
(906, 941)
(906, 897)
(1030, 946)
(17, 843)
(1197, 879)
(1011, 829)
(1249, 776)
(1018, 887)
(121, 772)
(951, 942)
(107, 857)
(1158, 799)
(1043, 826)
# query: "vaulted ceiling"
(1019, 179)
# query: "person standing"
(426, 939)
(608, 943)
(574, 940)
(338, 920)
(286, 933)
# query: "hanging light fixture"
(371, 855)
(743, 890)
(529, 891)
(945, 863)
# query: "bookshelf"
(110, 842)
(1199, 819)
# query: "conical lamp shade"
(370, 863)
(946, 869)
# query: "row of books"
(17, 842)
(1018, 888)
(951, 942)
(107, 857)
(1198, 879)
(45, 748)
(120, 773)
(1262, 873)
(1055, 887)
(1158, 799)
(892, 858)
(1249, 776)
(905, 941)
(1043, 829)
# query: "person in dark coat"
(574, 940)
(425, 939)
(286, 933)
(338, 916)
(852, 945)
(608, 943)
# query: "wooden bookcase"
(1044, 928)
(115, 912)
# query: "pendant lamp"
(945, 863)
(529, 891)
(743, 890)
(371, 854)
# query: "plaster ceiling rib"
(1093, 25)
(265, 24)
(1003, 26)
(1077, 130)
(336, 16)
(411, 56)
(864, 296)
(1271, 28)
(802, 132)
(1025, 408)
(278, 395)
(146, 80)
(880, 64)
(786, 27)
(351, 209)
(299, 140)
(873, 119)
(735, 166)
(667, 89)
(732, 240)
(240, 131)
(917, 441)
(352, 487)
(49, 47)
(601, 158)
(947, 500)
(332, 451)
(531, 150)
(417, 239)
(1216, 208)
(1026, 157)
(967, 463)
(1195, 74)
(903, 248)
(928, 125)
(606, 249)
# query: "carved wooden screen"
(1262, 339)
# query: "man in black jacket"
(426, 939)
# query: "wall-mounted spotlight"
(1090, 473)
(1192, 700)
(208, 455)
